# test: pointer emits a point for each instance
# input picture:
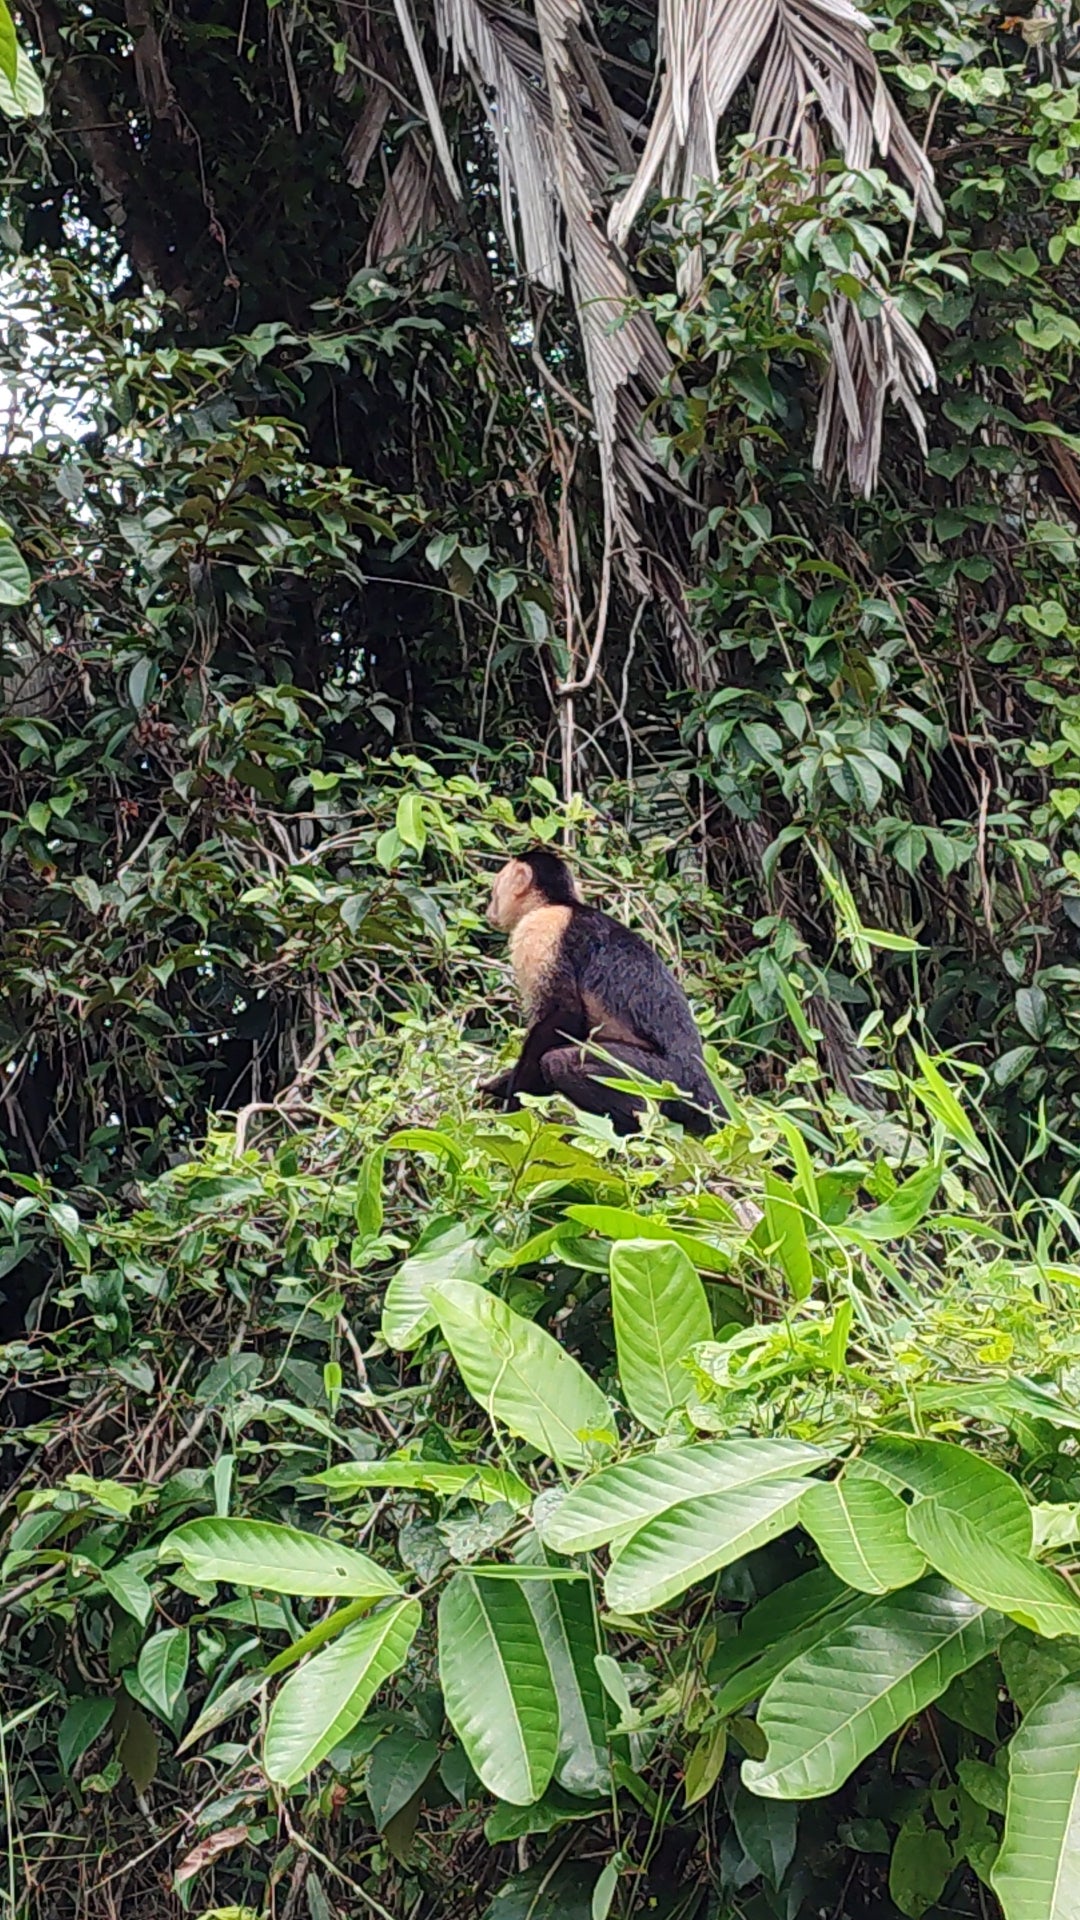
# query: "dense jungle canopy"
(430, 427)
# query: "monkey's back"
(617, 971)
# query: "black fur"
(604, 964)
(551, 876)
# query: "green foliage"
(754, 1604)
(409, 1509)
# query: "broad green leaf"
(9, 52)
(321, 1703)
(784, 1229)
(14, 572)
(566, 1619)
(399, 1765)
(128, 1589)
(162, 1668)
(410, 821)
(85, 1720)
(835, 1703)
(407, 1313)
(767, 1830)
(959, 1481)
(555, 1809)
(498, 1687)
(689, 1542)
(989, 1572)
(223, 1706)
(137, 1746)
(619, 1500)
(1037, 1873)
(660, 1312)
(141, 681)
(899, 1215)
(922, 1862)
(1031, 1665)
(784, 1611)
(603, 1894)
(24, 98)
(620, 1223)
(752, 1681)
(861, 1527)
(482, 1483)
(521, 1377)
(260, 1553)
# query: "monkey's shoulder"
(593, 936)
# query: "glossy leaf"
(8, 44)
(407, 1313)
(704, 1764)
(619, 1500)
(835, 1703)
(784, 1611)
(399, 1765)
(959, 1481)
(689, 1542)
(482, 1483)
(751, 1682)
(565, 1616)
(767, 1831)
(162, 1668)
(276, 1559)
(860, 1526)
(1026, 1591)
(521, 1377)
(84, 1722)
(498, 1686)
(129, 1590)
(620, 1223)
(922, 1862)
(784, 1229)
(22, 99)
(317, 1636)
(1037, 1872)
(660, 1312)
(898, 1215)
(322, 1701)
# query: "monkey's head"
(537, 879)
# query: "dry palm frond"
(873, 360)
(554, 128)
(625, 358)
(409, 210)
(363, 141)
(816, 70)
(816, 60)
(507, 73)
(428, 95)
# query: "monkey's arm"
(560, 1021)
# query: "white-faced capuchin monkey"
(583, 977)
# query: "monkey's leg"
(579, 1074)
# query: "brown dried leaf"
(208, 1851)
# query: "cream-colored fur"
(535, 940)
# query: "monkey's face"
(510, 895)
